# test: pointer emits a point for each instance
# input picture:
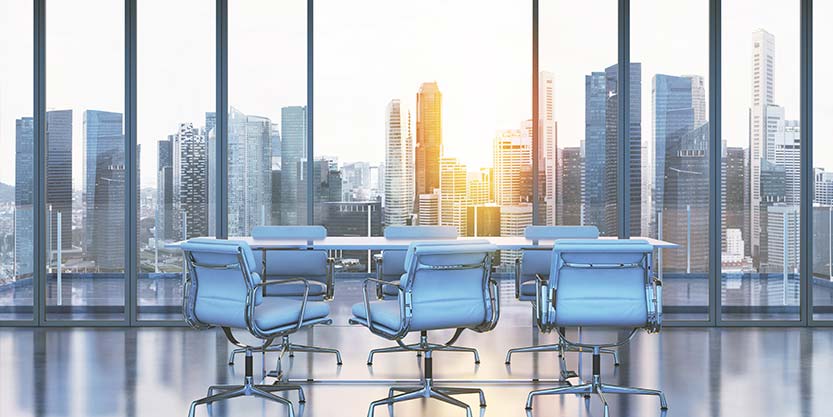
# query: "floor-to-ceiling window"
(267, 115)
(670, 42)
(176, 64)
(17, 163)
(85, 160)
(578, 113)
(761, 160)
(822, 274)
(422, 117)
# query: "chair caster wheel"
(370, 364)
(529, 408)
(507, 363)
(664, 408)
(339, 363)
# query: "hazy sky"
(368, 52)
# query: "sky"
(369, 52)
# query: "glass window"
(761, 160)
(267, 120)
(17, 161)
(85, 173)
(822, 275)
(578, 96)
(422, 117)
(670, 40)
(177, 144)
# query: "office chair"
(390, 265)
(222, 289)
(313, 265)
(601, 283)
(536, 261)
(448, 285)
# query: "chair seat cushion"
(294, 289)
(276, 312)
(428, 315)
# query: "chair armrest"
(518, 279)
(543, 298)
(402, 329)
(330, 290)
(265, 284)
(656, 286)
(378, 259)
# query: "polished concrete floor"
(159, 371)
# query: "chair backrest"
(421, 232)
(393, 261)
(221, 277)
(538, 261)
(289, 232)
(456, 272)
(601, 283)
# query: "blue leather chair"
(224, 289)
(390, 265)
(313, 265)
(536, 262)
(601, 283)
(447, 285)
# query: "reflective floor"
(159, 371)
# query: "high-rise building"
(512, 162)
(24, 198)
(429, 139)
(673, 118)
(429, 214)
(352, 218)
(249, 172)
(788, 155)
(763, 124)
(478, 189)
(483, 220)
(276, 147)
(453, 194)
(165, 215)
(327, 186)
(698, 98)
(685, 210)
(293, 161)
(571, 189)
(733, 195)
(399, 192)
(595, 96)
(59, 176)
(104, 190)
(548, 146)
(823, 187)
(782, 239)
(190, 182)
(513, 221)
(610, 153)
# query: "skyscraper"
(104, 189)
(673, 118)
(595, 96)
(429, 214)
(733, 194)
(399, 193)
(429, 139)
(686, 201)
(512, 154)
(571, 190)
(165, 190)
(823, 187)
(548, 147)
(59, 176)
(249, 172)
(698, 98)
(760, 113)
(24, 197)
(788, 155)
(189, 152)
(453, 194)
(293, 161)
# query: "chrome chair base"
(556, 348)
(249, 389)
(290, 348)
(414, 346)
(428, 390)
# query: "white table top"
(382, 243)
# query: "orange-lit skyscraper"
(429, 139)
